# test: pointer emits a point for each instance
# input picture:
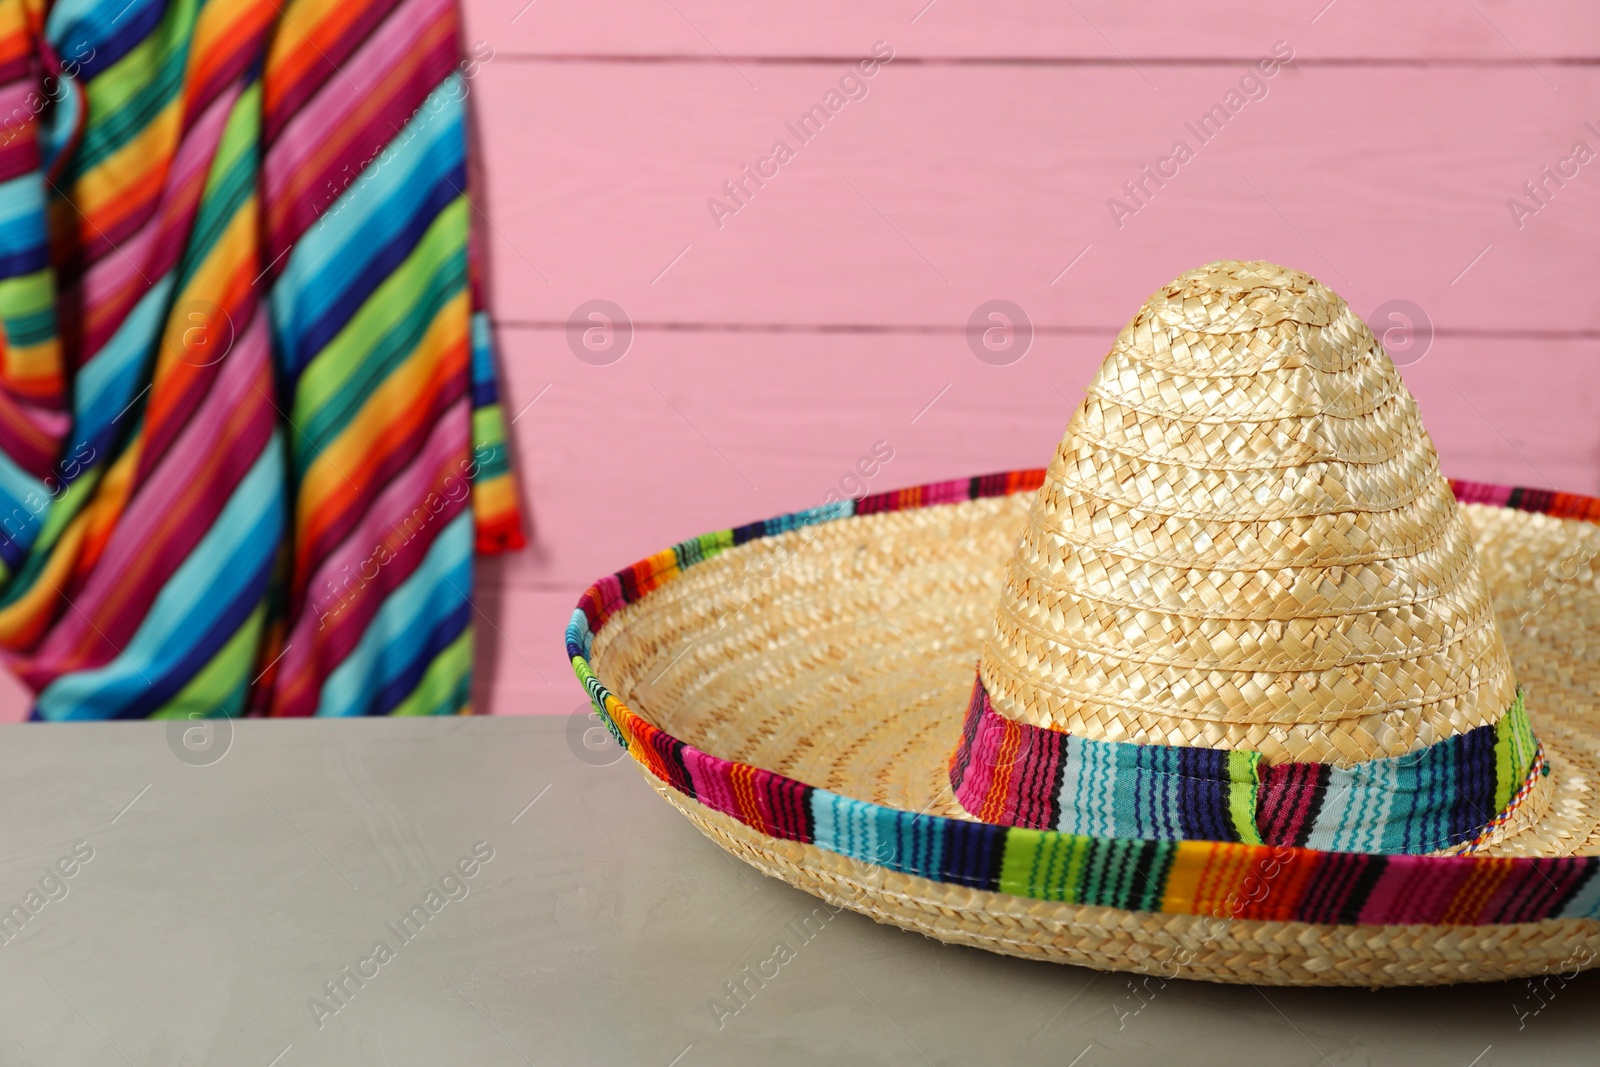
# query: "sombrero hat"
(1260, 696)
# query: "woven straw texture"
(1174, 946)
(844, 659)
(1244, 541)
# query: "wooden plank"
(1106, 30)
(520, 665)
(693, 432)
(15, 698)
(614, 472)
(946, 186)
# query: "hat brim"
(796, 686)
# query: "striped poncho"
(249, 429)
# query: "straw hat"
(1260, 696)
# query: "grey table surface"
(218, 884)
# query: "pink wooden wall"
(771, 352)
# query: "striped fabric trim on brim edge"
(1223, 879)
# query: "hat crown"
(1244, 542)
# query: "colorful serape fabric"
(1444, 794)
(1024, 775)
(249, 430)
(1224, 879)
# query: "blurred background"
(698, 329)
